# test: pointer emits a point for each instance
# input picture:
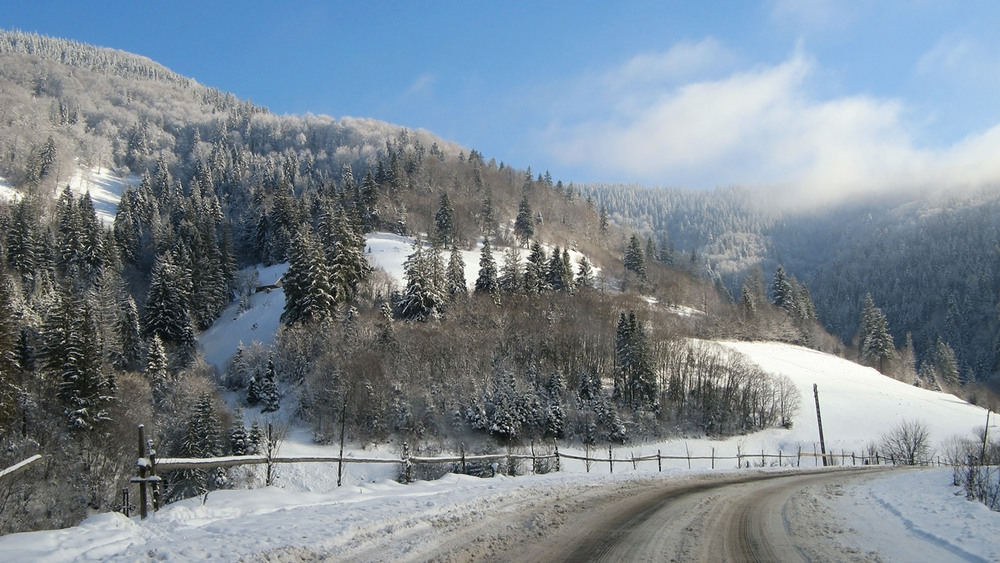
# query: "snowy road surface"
(762, 514)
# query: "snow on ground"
(306, 508)
(105, 188)
(918, 504)
(260, 321)
(7, 191)
(306, 513)
(237, 525)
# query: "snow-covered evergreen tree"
(270, 399)
(307, 285)
(487, 281)
(456, 273)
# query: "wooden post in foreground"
(819, 421)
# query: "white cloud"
(813, 15)
(423, 84)
(762, 127)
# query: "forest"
(99, 321)
(927, 260)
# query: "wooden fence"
(19, 467)
(149, 465)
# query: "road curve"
(736, 518)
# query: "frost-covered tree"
(782, 294)
(72, 353)
(510, 279)
(456, 284)
(128, 356)
(874, 340)
(166, 312)
(524, 226)
(307, 285)
(423, 298)
(487, 281)
(202, 438)
(270, 399)
(444, 222)
(634, 259)
(584, 274)
(535, 270)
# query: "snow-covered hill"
(105, 188)
(259, 321)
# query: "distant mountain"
(930, 260)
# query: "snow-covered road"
(896, 515)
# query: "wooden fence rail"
(148, 465)
(19, 467)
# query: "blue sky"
(824, 95)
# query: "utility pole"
(819, 421)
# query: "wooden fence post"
(798, 457)
(556, 444)
(713, 457)
(586, 456)
(143, 511)
(611, 462)
(688, 450)
(462, 449)
(779, 457)
(659, 462)
(407, 466)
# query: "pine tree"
(945, 364)
(270, 399)
(157, 370)
(524, 227)
(444, 222)
(239, 439)
(634, 260)
(166, 313)
(202, 438)
(584, 274)
(874, 340)
(422, 299)
(635, 381)
(307, 286)
(9, 365)
(782, 294)
(487, 281)
(535, 270)
(510, 281)
(128, 357)
(72, 354)
(456, 273)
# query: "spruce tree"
(487, 281)
(307, 284)
(444, 222)
(782, 294)
(456, 273)
(166, 312)
(510, 280)
(535, 270)
(634, 259)
(270, 399)
(157, 370)
(584, 274)
(524, 227)
(129, 355)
